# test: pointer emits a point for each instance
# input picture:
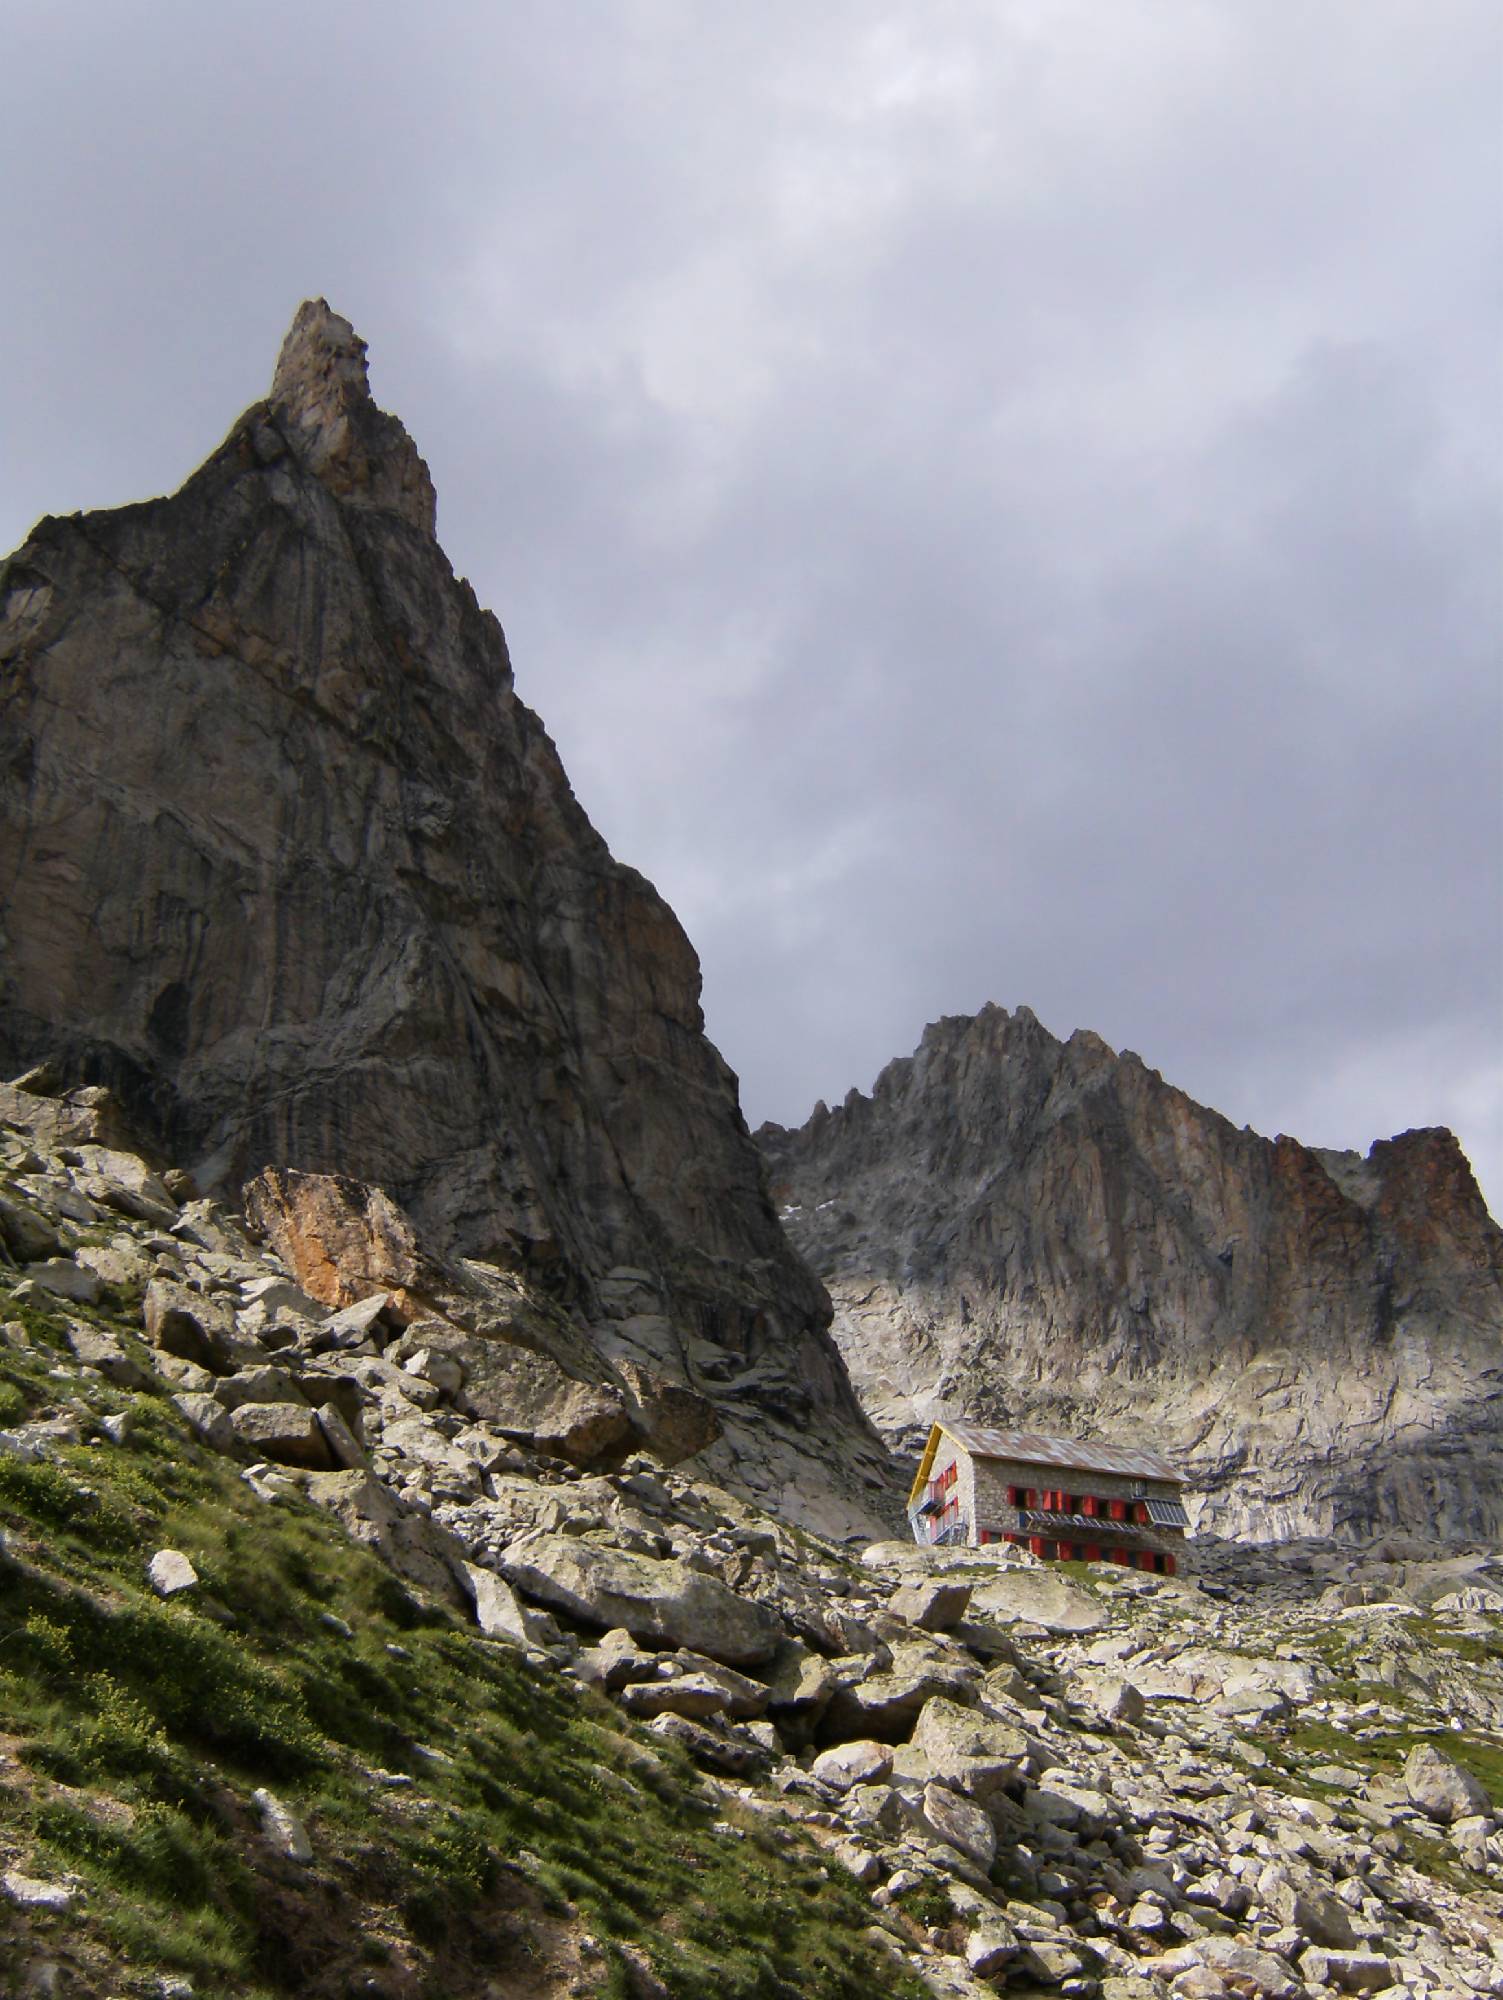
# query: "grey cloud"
(992, 504)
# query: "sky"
(994, 501)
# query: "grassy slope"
(531, 1814)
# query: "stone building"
(1056, 1496)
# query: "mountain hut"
(1061, 1498)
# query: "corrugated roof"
(1070, 1454)
(1096, 1528)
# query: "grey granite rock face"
(287, 864)
(1046, 1234)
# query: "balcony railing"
(931, 1528)
(957, 1530)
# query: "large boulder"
(529, 1395)
(692, 1685)
(930, 1603)
(418, 1550)
(500, 1613)
(884, 1704)
(101, 1351)
(65, 1280)
(1441, 1788)
(286, 1433)
(967, 1750)
(863, 1762)
(123, 1181)
(26, 1235)
(673, 1421)
(1038, 1597)
(959, 1824)
(181, 1322)
(342, 1239)
(663, 1603)
(800, 1686)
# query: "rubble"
(1092, 1783)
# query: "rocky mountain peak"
(321, 349)
(287, 866)
(321, 393)
(1047, 1235)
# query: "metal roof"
(1069, 1454)
(1096, 1528)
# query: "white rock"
(208, 1418)
(500, 1613)
(170, 1571)
(960, 1825)
(282, 1827)
(859, 1763)
(62, 1277)
(32, 1894)
(431, 1365)
(344, 1446)
(989, 1947)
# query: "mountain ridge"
(1024, 1229)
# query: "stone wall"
(993, 1476)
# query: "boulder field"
(1276, 1775)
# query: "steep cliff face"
(1023, 1229)
(286, 863)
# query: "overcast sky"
(994, 501)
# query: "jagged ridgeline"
(287, 865)
(1046, 1234)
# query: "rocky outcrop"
(1276, 1773)
(1045, 1233)
(286, 864)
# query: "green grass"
(1310, 1743)
(928, 1905)
(1385, 1752)
(143, 1727)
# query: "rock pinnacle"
(321, 390)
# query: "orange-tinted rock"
(341, 1239)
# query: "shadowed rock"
(290, 867)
